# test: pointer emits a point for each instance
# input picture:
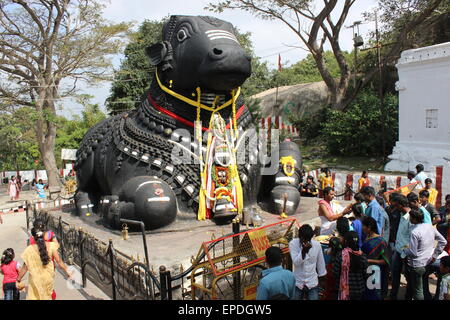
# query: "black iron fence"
(114, 272)
(120, 276)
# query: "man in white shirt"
(425, 245)
(420, 177)
(309, 264)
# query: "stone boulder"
(300, 100)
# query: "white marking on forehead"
(219, 31)
(216, 34)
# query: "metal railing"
(117, 274)
(122, 277)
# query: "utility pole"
(380, 89)
(357, 42)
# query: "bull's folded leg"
(143, 198)
(85, 203)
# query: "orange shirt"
(363, 182)
(327, 182)
(433, 195)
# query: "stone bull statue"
(127, 167)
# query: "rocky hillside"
(298, 100)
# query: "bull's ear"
(156, 53)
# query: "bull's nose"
(217, 53)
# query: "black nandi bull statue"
(129, 166)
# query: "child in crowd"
(40, 189)
(360, 200)
(310, 188)
(10, 271)
(327, 180)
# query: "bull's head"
(200, 52)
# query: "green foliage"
(19, 148)
(260, 78)
(306, 71)
(135, 73)
(71, 132)
(309, 126)
(358, 130)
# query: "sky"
(269, 38)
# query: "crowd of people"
(361, 252)
(15, 186)
(358, 253)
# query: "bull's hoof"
(84, 204)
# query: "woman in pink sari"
(13, 188)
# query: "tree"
(296, 14)
(260, 78)
(70, 133)
(18, 148)
(356, 131)
(403, 26)
(135, 73)
(45, 43)
(306, 71)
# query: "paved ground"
(13, 234)
(175, 244)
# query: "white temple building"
(424, 109)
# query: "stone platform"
(174, 244)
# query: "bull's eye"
(181, 35)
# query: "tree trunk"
(48, 158)
(338, 100)
(326, 76)
(46, 136)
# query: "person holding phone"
(309, 264)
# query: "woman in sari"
(375, 248)
(38, 261)
(13, 188)
(349, 269)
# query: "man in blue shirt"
(276, 283)
(374, 209)
(415, 204)
(402, 239)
